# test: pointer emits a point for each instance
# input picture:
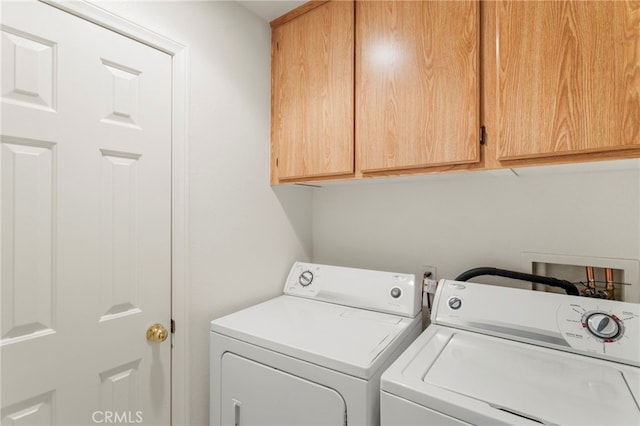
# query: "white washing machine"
(314, 355)
(504, 356)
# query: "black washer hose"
(567, 286)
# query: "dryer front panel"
(256, 394)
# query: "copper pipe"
(609, 287)
(591, 280)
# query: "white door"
(85, 237)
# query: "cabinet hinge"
(483, 135)
(173, 326)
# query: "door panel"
(119, 229)
(256, 394)
(86, 202)
(29, 73)
(34, 411)
(28, 211)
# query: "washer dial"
(454, 303)
(305, 278)
(603, 326)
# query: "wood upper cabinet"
(402, 87)
(312, 92)
(568, 77)
(417, 84)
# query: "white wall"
(460, 221)
(244, 235)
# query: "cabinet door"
(312, 93)
(417, 97)
(568, 77)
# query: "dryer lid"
(345, 339)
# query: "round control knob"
(454, 303)
(305, 278)
(396, 292)
(603, 326)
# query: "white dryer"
(314, 355)
(504, 356)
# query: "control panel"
(601, 328)
(389, 292)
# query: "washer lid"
(342, 338)
(479, 378)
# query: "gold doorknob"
(157, 333)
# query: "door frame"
(179, 383)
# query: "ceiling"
(270, 9)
